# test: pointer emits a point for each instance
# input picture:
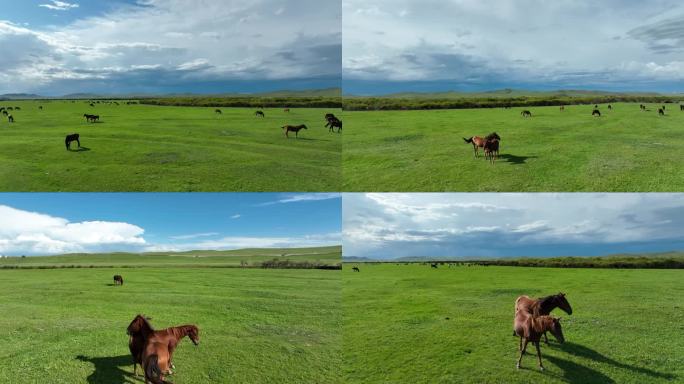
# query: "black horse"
(334, 123)
(596, 112)
(526, 113)
(218, 111)
(661, 112)
(70, 138)
(118, 280)
(356, 269)
(259, 113)
(10, 118)
(91, 118)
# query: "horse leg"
(536, 344)
(522, 352)
(546, 339)
(79, 143)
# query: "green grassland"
(200, 259)
(166, 148)
(256, 325)
(624, 150)
(415, 324)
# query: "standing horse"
(356, 269)
(479, 142)
(543, 306)
(118, 280)
(661, 112)
(530, 328)
(70, 138)
(681, 107)
(158, 353)
(334, 123)
(562, 108)
(596, 112)
(433, 265)
(259, 113)
(526, 113)
(491, 149)
(610, 107)
(138, 331)
(286, 110)
(218, 111)
(10, 119)
(293, 128)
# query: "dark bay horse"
(681, 107)
(543, 306)
(661, 112)
(259, 113)
(293, 128)
(526, 113)
(491, 149)
(138, 332)
(334, 123)
(158, 353)
(356, 269)
(118, 280)
(286, 110)
(10, 119)
(596, 112)
(218, 111)
(70, 138)
(530, 328)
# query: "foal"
(158, 353)
(543, 306)
(530, 328)
(293, 128)
(138, 332)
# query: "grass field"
(155, 148)
(415, 324)
(256, 326)
(624, 150)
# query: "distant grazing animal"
(293, 128)
(526, 113)
(356, 269)
(610, 107)
(259, 113)
(91, 118)
(118, 280)
(70, 138)
(562, 107)
(642, 107)
(491, 149)
(334, 123)
(530, 328)
(479, 142)
(10, 118)
(286, 110)
(40, 107)
(92, 105)
(681, 107)
(595, 106)
(543, 305)
(433, 265)
(663, 108)
(218, 111)
(661, 112)
(10, 108)
(596, 112)
(158, 353)
(19, 109)
(5, 112)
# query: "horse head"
(139, 324)
(193, 333)
(557, 330)
(563, 303)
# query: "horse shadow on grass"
(515, 160)
(576, 373)
(80, 149)
(109, 369)
(590, 354)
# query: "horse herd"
(153, 350)
(490, 143)
(5, 112)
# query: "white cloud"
(31, 233)
(236, 216)
(194, 236)
(59, 5)
(239, 242)
(300, 197)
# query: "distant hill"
(511, 93)
(327, 92)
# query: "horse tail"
(152, 370)
(468, 141)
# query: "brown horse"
(562, 108)
(286, 110)
(479, 142)
(293, 128)
(138, 332)
(491, 149)
(259, 113)
(530, 328)
(543, 306)
(118, 280)
(158, 353)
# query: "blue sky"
(394, 46)
(387, 226)
(51, 223)
(55, 47)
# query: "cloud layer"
(169, 45)
(525, 43)
(498, 225)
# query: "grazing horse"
(543, 306)
(530, 328)
(642, 107)
(356, 269)
(526, 113)
(218, 111)
(334, 123)
(138, 332)
(286, 110)
(91, 118)
(118, 280)
(10, 118)
(596, 112)
(610, 107)
(92, 105)
(70, 138)
(661, 112)
(259, 113)
(40, 107)
(293, 128)
(479, 142)
(562, 108)
(491, 149)
(158, 353)
(4, 112)
(681, 107)
(433, 265)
